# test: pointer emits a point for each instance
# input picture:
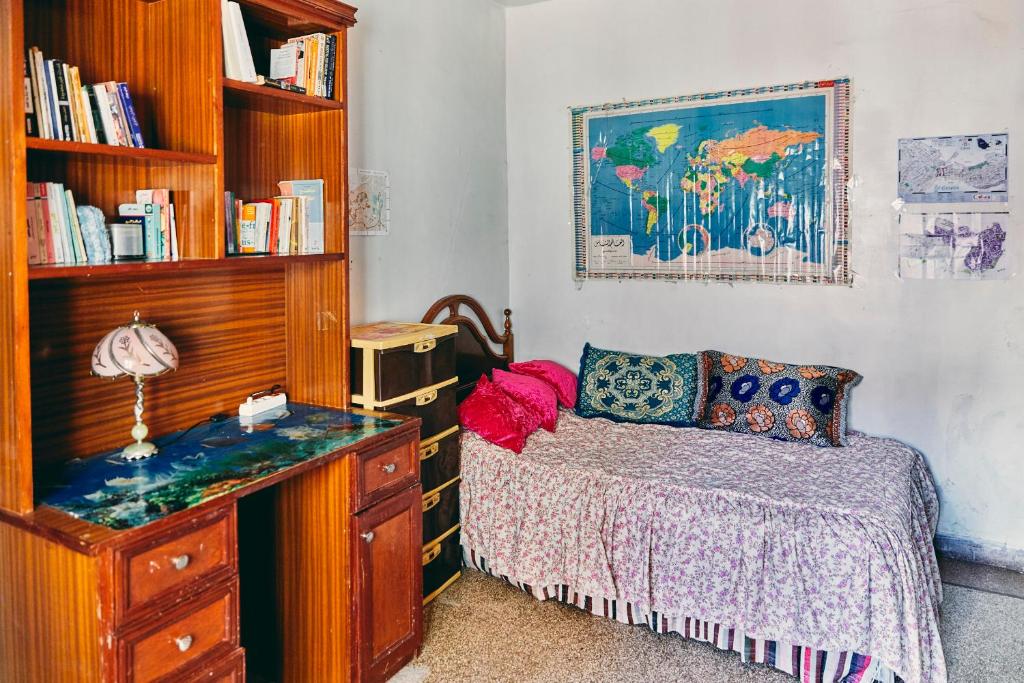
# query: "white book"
(61, 248)
(76, 229)
(321, 66)
(284, 224)
(283, 61)
(174, 235)
(103, 104)
(38, 94)
(232, 69)
(243, 49)
(263, 214)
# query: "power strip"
(255, 406)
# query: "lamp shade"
(137, 349)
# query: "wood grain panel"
(314, 574)
(15, 415)
(49, 605)
(318, 335)
(228, 329)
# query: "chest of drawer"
(229, 670)
(440, 511)
(442, 564)
(390, 360)
(170, 565)
(439, 459)
(382, 472)
(202, 629)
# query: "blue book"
(51, 90)
(129, 112)
(312, 239)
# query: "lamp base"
(139, 450)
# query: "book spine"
(94, 113)
(117, 115)
(174, 228)
(131, 118)
(247, 230)
(76, 228)
(38, 96)
(67, 119)
(151, 233)
(51, 93)
(332, 49)
(31, 122)
(77, 105)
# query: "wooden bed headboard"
(475, 349)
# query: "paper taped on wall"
(369, 202)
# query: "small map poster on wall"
(369, 207)
(737, 185)
(953, 169)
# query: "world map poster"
(737, 185)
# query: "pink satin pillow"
(562, 380)
(496, 416)
(535, 395)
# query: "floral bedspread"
(826, 547)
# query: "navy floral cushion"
(788, 402)
(627, 387)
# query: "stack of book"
(305, 64)
(55, 234)
(59, 107)
(290, 223)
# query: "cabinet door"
(389, 583)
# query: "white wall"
(427, 104)
(943, 361)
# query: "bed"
(816, 561)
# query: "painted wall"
(427, 104)
(943, 361)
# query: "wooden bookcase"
(240, 323)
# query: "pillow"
(496, 416)
(627, 387)
(534, 395)
(788, 402)
(561, 379)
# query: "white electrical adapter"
(260, 404)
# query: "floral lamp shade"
(137, 350)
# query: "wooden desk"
(131, 571)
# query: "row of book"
(57, 232)
(304, 64)
(59, 107)
(290, 223)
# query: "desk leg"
(314, 585)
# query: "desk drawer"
(440, 511)
(163, 567)
(439, 459)
(199, 628)
(381, 473)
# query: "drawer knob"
(368, 536)
(180, 562)
(429, 397)
(183, 643)
(429, 451)
(389, 468)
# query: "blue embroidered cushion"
(626, 387)
(783, 401)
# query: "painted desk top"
(195, 466)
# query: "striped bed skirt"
(806, 663)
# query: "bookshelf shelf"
(142, 154)
(273, 100)
(136, 269)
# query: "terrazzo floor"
(483, 630)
